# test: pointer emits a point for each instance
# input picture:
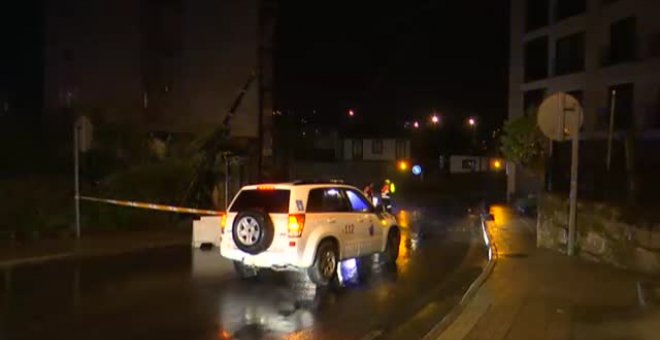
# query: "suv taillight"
(223, 222)
(296, 225)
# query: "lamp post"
(472, 124)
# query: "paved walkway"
(540, 294)
(98, 244)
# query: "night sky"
(21, 62)
(400, 60)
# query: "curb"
(447, 321)
(85, 255)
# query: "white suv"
(304, 226)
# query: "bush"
(162, 183)
(35, 206)
(523, 143)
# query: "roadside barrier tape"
(151, 206)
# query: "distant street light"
(403, 165)
(416, 125)
(472, 122)
(435, 119)
(351, 113)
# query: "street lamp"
(472, 122)
(416, 124)
(351, 113)
(435, 119)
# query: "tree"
(523, 143)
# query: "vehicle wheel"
(245, 272)
(324, 268)
(392, 247)
(253, 232)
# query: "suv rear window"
(270, 201)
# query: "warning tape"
(151, 206)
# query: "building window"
(569, 57)
(377, 146)
(400, 149)
(469, 164)
(357, 149)
(532, 99)
(623, 41)
(653, 45)
(536, 59)
(623, 108)
(537, 12)
(568, 8)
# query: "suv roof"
(288, 185)
(323, 181)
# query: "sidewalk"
(540, 294)
(99, 244)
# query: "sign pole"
(610, 131)
(76, 175)
(572, 215)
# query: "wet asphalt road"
(179, 293)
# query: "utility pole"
(76, 175)
(266, 28)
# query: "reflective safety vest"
(385, 190)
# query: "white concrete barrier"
(206, 230)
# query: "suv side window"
(326, 200)
(358, 202)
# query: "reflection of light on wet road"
(409, 238)
(403, 262)
(403, 217)
(501, 214)
(301, 335)
(223, 335)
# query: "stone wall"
(604, 235)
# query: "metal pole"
(76, 175)
(226, 181)
(610, 131)
(572, 214)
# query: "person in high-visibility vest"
(385, 190)
(385, 193)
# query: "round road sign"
(557, 115)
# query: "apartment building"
(590, 49)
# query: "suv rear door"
(270, 200)
(328, 207)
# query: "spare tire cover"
(253, 232)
